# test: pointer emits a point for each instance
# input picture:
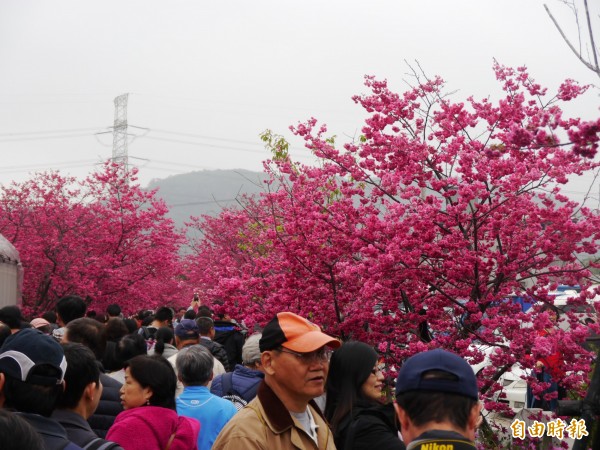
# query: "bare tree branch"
(594, 68)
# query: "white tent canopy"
(11, 274)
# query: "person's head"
(164, 316)
(115, 329)
(42, 324)
(32, 369)
(181, 313)
(204, 311)
(206, 326)
(354, 379)
(131, 324)
(88, 332)
(189, 314)
(186, 333)
(11, 316)
(552, 311)
(437, 387)
(148, 320)
(128, 347)
(251, 352)
(142, 315)
(50, 316)
(195, 365)
(5, 332)
(113, 310)
(295, 358)
(149, 380)
(82, 380)
(17, 434)
(164, 335)
(70, 308)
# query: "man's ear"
(474, 420)
(402, 417)
(90, 390)
(2, 380)
(266, 359)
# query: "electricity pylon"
(119, 155)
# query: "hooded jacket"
(151, 427)
(244, 382)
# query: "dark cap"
(413, 374)
(187, 329)
(295, 333)
(30, 348)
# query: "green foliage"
(276, 144)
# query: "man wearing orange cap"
(295, 357)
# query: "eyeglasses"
(321, 355)
(376, 370)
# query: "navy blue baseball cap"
(413, 375)
(30, 348)
(187, 329)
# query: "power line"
(43, 138)
(27, 133)
(179, 141)
(200, 136)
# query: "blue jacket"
(244, 382)
(211, 411)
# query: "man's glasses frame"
(321, 355)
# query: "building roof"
(8, 252)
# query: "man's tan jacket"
(266, 424)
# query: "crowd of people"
(177, 379)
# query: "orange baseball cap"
(296, 333)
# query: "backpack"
(230, 393)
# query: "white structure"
(11, 274)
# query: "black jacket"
(108, 408)
(229, 336)
(217, 351)
(78, 430)
(52, 433)
(369, 428)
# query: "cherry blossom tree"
(102, 238)
(417, 234)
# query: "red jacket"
(151, 427)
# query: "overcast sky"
(206, 78)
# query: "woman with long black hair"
(354, 409)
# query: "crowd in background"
(181, 378)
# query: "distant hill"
(205, 192)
